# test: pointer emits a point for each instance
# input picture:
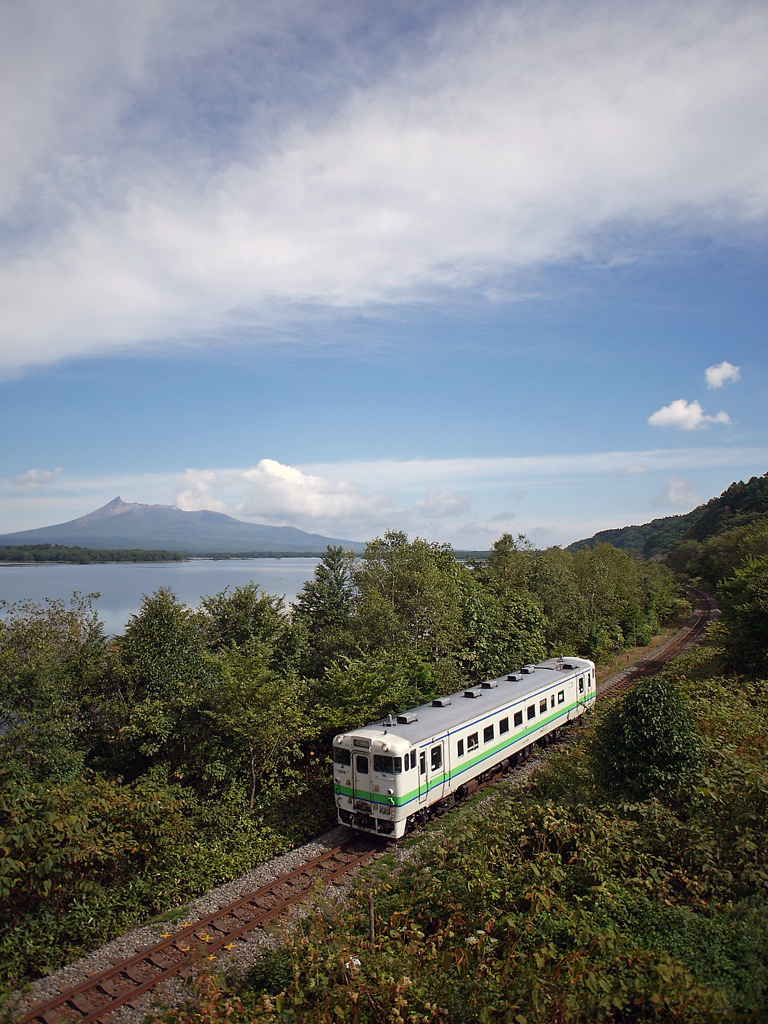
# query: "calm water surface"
(122, 585)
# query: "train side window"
(460, 748)
(362, 764)
(342, 756)
(503, 725)
(488, 734)
(561, 696)
(543, 706)
(413, 759)
(531, 711)
(472, 742)
(552, 701)
(518, 718)
(581, 684)
(436, 758)
(422, 763)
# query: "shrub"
(645, 743)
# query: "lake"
(122, 585)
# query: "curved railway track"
(125, 983)
(178, 955)
(689, 635)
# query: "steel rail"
(92, 1000)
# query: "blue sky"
(453, 268)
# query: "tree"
(324, 610)
(744, 601)
(51, 656)
(646, 742)
(409, 596)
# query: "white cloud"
(34, 479)
(685, 415)
(721, 374)
(508, 139)
(285, 495)
(633, 468)
(193, 491)
(441, 502)
(677, 493)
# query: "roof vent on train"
(473, 693)
(515, 677)
(407, 718)
(567, 667)
(441, 702)
(490, 684)
(528, 669)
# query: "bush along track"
(582, 894)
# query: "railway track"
(126, 983)
(655, 662)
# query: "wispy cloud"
(677, 493)
(440, 502)
(722, 373)
(142, 211)
(34, 479)
(685, 415)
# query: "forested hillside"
(139, 770)
(738, 506)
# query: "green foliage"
(646, 742)
(49, 656)
(744, 598)
(548, 902)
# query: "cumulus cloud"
(722, 373)
(501, 139)
(283, 494)
(678, 493)
(34, 479)
(193, 491)
(441, 502)
(685, 415)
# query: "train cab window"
(531, 712)
(413, 759)
(361, 763)
(342, 756)
(518, 718)
(436, 759)
(472, 742)
(422, 763)
(561, 696)
(543, 706)
(503, 725)
(488, 734)
(460, 748)
(581, 684)
(387, 765)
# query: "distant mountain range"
(739, 505)
(122, 525)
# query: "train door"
(423, 777)
(361, 776)
(571, 699)
(438, 769)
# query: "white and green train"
(390, 772)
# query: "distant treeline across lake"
(123, 584)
